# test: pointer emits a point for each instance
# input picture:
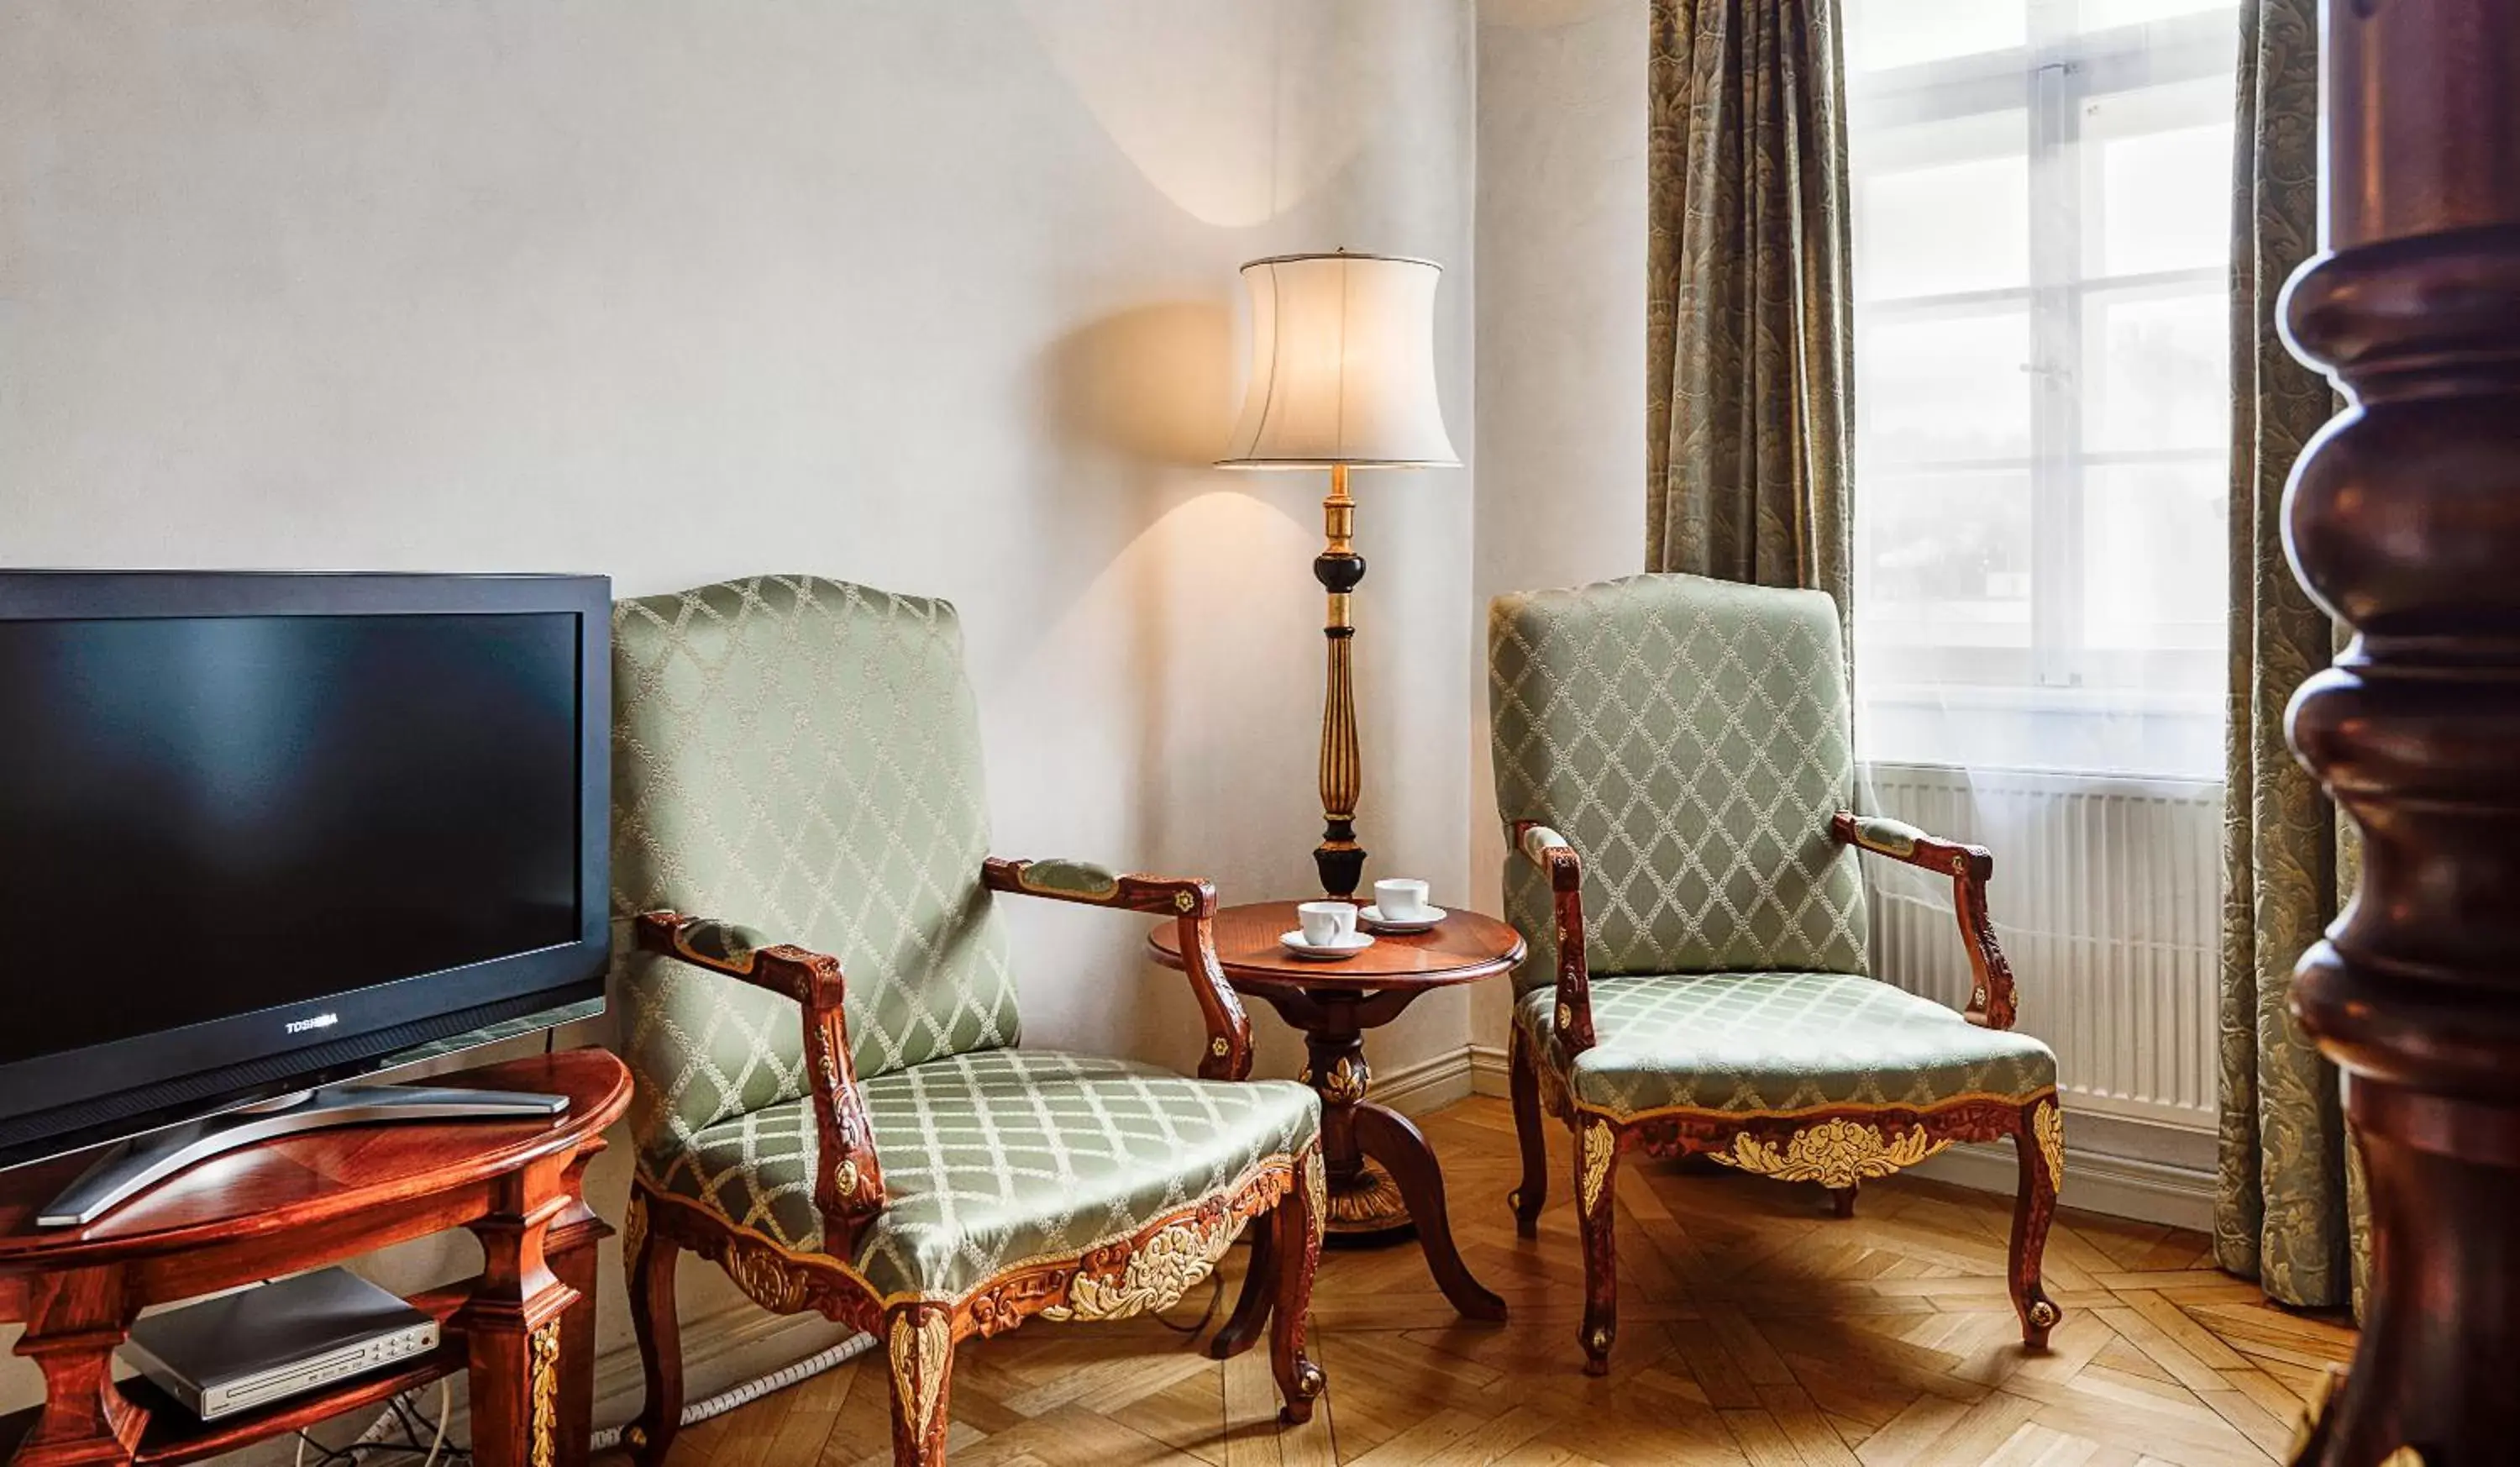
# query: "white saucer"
(1373, 917)
(1293, 942)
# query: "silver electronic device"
(127, 1169)
(249, 1349)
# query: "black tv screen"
(259, 831)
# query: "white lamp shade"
(1342, 365)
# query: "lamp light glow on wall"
(1343, 376)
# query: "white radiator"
(2107, 898)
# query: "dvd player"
(259, 1346)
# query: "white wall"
(933, 296)
(1561, 330)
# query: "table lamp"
(1343, 376)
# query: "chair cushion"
(1689, 738)
(999, 1158)
(1782, 1042)
(800, 756)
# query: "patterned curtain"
(2287, 1210)
(1750, 412)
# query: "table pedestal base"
(1383, 1183)
(1367, 1209)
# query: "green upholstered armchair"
(821, 1013)
(1675, 769)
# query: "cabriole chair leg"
(1242, 1330)
(1596, 1169)
(1523, 1075)
(2039, 1145)
(1295, 1252)
(660, 1339)
(919, 1345)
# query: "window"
(2041, 231)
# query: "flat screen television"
(262, 832)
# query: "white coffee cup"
(1326, 923)
(1400, 899)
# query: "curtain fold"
(2286, 1211)
(1749, 410)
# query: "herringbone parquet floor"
(1754, 1329)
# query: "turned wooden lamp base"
(1338, 859)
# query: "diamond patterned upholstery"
(1690, 737)
(999, 1158)
(801, 757)
(1745, 1042)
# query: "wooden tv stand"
(523, 1329)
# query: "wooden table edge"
(1293, 972)
(579, 1129)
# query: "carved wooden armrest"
(848, 1184)
(1189, 901)
(1992, 1001)
(1555, 854)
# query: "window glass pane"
(2155, 370)
(1945, 562)
(2154, 568)
(1943, 208)
(1950, 385)
(1885, 33)
(2158, 179)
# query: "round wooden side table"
(1382, 1177)
(524, 1330)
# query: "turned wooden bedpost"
(2403, 520)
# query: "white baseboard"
(2094, 1181)
(721, 1350)
(738, 1342)
(2151, 1174)
(1429, 1084)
